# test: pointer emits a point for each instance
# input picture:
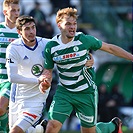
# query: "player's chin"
(32, 40)
(70, 36)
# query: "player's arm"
(46, 77)
(14, 77)
(45, 80)
(117, 51)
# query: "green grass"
(128, 131)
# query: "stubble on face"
(32, 40)
(29, 33)
(69, 26)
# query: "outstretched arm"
(116, 50)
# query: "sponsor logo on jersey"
(37, 69)
(66, 56)
(3, 39)
(9, 61)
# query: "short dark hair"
(23, 20)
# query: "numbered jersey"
(7, 35)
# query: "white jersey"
(25, 65)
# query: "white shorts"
(25, 111)
(24, 115)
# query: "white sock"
(39, 129)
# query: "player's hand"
(43, 86)
(45, 75)
(89, 63)
(41, 78)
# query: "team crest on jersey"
(37, 69)
(75, 48)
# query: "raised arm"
(117, 51)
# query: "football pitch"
(128, 131)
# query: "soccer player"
(77, 88)
(24, 64)
(8, 33)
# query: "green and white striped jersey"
(7, 35)
(70, 59)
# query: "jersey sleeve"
(91, 43)
(49, 64)
(12, 60)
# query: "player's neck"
(9, 24)
(29, 43)
(65, 39)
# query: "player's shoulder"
(15, 45)
(17, 42)
(54, 41)
(79, 35)
(45, 41)
(2, 26)
(5, 29)
(41, 39)
(82, 36)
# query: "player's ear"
(4, 12)
(59, 26)
(19, 32)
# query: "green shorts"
(5, 88)
(84, 103)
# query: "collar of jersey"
(30, 48)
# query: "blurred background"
(109, 21)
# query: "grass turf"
(128, 131)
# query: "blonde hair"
(66, 11)
(6, 3)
